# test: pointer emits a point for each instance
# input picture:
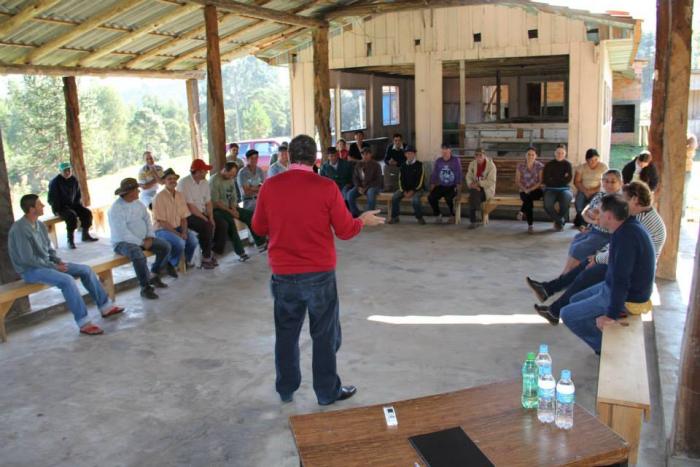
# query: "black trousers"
(528, 200)
(447, 192)
(476, 197)
(205, 232)
(71, 214)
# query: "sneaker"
(544, 312)
(156, 282)
(538, 289)
(421, 221)
(438, 219)
(243, 258)
(519, 216)
(171, 271)
(148, 292)
(262, 248)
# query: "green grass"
(620, 154)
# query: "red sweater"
(300, 211)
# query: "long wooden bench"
(18, 289)
(98, 220)
(458, 201)
(623, 399)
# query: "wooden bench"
(623, 399)
(18, 289)
(99, 215)
(458, 201)
(50, 223)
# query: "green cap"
(63, 166)
(531, 356)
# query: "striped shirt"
(654, 225)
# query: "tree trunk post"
(215, 92)
(194, 117)
(7, 271)
(75, 136)
(670, 121)
(322, 79)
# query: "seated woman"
(592, 239)
(528, 179)
(481, 183)
(587, 182)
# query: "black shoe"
(71, 245)
(88, 238)
(287, 397)
(171, 271)
(243, 258)
(544, 312)
(421, 221)
(156, 282)
(148, 292)
(538, 288)
(346, 392)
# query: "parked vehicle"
(266, 147)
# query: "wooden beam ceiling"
(251, 11)
(102, 72)
(78, 31)
(34, 8)
(260, 45)
(127, 38)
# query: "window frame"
(393, 96)
(343, 129)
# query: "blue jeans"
(178, 245)
(587, 243)
(354, 193)
(66, 282)
(578, 279)
(551, 198)
(580, 314)
(415, 201)
(134, 252)
(293, 294)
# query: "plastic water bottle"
(545, 395)
(529, 396)
(543, 359)
(565, 401)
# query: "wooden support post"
(462, 103)
(337, 115)
(215, 92)
(193, 114)
(7, 272)
(670, 120)
(498, 95)
(322, 79)
(75, 137)
(685, 441)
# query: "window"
(353, 109)
(489, 103)
(390, 105)
(623, 118)
(266, 148)
(546, 99)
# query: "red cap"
(199, 164)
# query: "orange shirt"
(169, 208)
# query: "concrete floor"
(189, 379)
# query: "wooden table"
(491, 415)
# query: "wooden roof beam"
(13, 69)
(34, 8)
(268, 14)
(142, 31)
(77, 31)
(230, 37)
(258, 46)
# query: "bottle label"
(564, 398)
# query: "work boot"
(71, 241)
(87, 237)
(148, 292)
(158, 283)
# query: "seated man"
(593, 269)
(66, 203)
(150, 177)
(195, 189)
(356, 147)
(628, 280)
(250, 179)
(225, 202)
(445, 182)
(280, 163)
(339, 170)
(556, 176)
(367, 178)
(410, 186)
(595, 237)
(170, 213)
(481, 181)
(36, 262)
(396, 152)
(132, 233)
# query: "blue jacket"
(631, 267)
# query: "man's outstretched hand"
(371, 218)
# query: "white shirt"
(195, 193)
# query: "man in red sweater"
(300, 212)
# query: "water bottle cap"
(531, 356)
(544, 348)
(565, 374)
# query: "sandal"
(91, 330)
(115, 310)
